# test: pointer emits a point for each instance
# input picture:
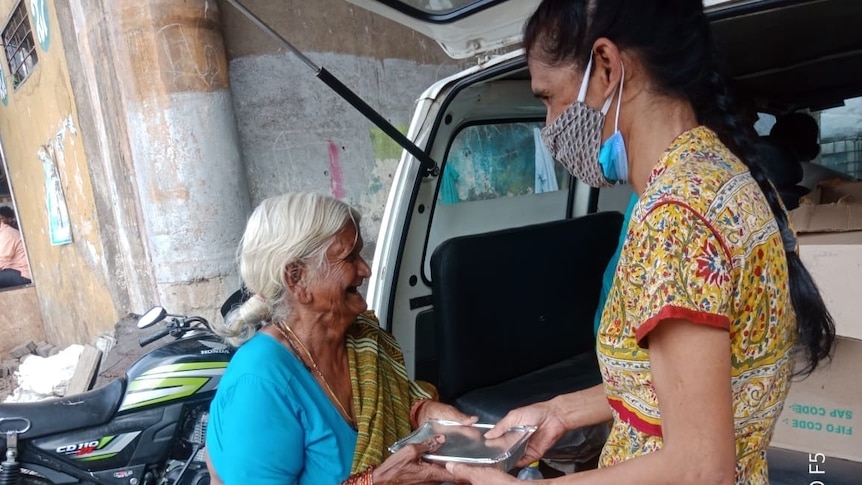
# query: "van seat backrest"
(509, 302)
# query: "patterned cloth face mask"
(574, 139)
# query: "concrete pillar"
(171, 67)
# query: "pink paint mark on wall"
(336, 178)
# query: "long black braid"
(673, 41)
(815, 324)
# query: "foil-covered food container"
(467, 444)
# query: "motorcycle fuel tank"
(189, 368)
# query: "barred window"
(841, 137)
(19, 46)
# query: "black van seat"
(514, 312)
(573, 374)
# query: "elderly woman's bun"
(243, 321)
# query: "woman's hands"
(546, 416)
(437, 410)
(479, 475)
(405, 466)
(554, 417)
(550, 427)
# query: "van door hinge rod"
(427, 164)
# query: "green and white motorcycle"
(144, 429)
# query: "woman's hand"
(438, 410)
(479, 475)
(554, 417)
(550, 427)
(405, 466)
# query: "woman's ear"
(295, 282)
(608, 66)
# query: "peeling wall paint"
(181, 138)
(70, 280)
(387, 154)
(52, 154)
(157, 124)
(187, 164)
(298, 135)
(86, 34)
(335, 26)
(336, 178)
(292, 125)
(184, 149)
(22, 325)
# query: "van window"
(437, 7)
(841, 138)
(489, 161)
(496, 176)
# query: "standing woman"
(711, 311)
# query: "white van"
(488, 265)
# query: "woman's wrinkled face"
(336, 289)
(557, 86)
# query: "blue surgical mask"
(612, 155)
(614, 159)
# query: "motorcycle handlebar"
(144, 341)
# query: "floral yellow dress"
(703, 246)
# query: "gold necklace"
(311, 365)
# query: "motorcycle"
(144, 429)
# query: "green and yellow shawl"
(382, 394)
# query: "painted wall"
(153, 83)
(41, 116)
(297, 134)
(184, 147)
(130, 106)
(164, 135)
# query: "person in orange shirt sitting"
(14, 267)
(7, 216)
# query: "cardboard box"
(835, 207)
(835, 262)
(823, 413)
(829, 226)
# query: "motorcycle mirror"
(154, 315)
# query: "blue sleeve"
(254, 437)
(611, 268)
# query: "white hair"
(283, 230)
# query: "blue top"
(271, 423)
(611, 268)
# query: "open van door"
(463, 28)
(467, 28)
(481, 126)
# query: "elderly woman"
(320, 391)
